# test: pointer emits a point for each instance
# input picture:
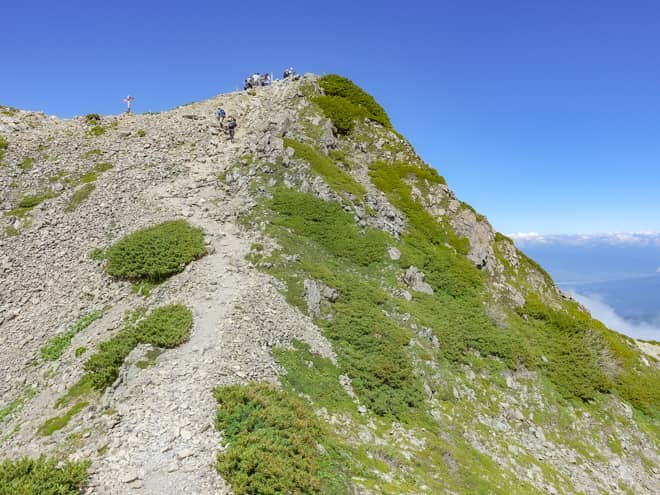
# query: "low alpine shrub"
(167, 326)
(335, 85)
(273, 440)
(42, 476)
(157, 252)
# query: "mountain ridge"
(333, 251)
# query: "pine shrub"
(342, 87)
(167, 326)
(273, 440)
(157, 252)
(42, 476)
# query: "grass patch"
(323, 166)
(80, 351)
(97, 130)
(29, 202)
(92, 153)
(97, 254)
(149, 359)
(157, 252)
(11, 231)
(88, 177)
(4, 145)
(102, 167)
(80, 195)
(273, 441)
(55, 347)
(327, 223)
(27, 163)
(52, 425)
(140, 133)
(313, 375)
(42, 476)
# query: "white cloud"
(531, 237)
(611, 239)
(605, 313)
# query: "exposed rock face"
(152, 432)
(316, 293)
(415, 280)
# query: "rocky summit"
(307, 309)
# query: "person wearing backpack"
(220, 114)
(231, 127)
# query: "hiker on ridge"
(231, 127)
(220, 114)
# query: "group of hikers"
(257, 79)
(253, 81)
(230, 126)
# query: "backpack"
(221, 112)
(231, 124)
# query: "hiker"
(231, 127)
(128, 101)
(220, 114)
(288, 72)
(265, 81)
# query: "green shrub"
(320, 164)
(80, 195)
(141, 133)
(334, 85)
(80, 351)
(273, 441)
(327, 223)
(341, 112)
(572, 356)
(167, 326)
(42, 476)
(157, 252)
(56, 346)
(315, 376)
(92, 118)
(371, 347)
(102, 368)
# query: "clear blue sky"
(544, 115)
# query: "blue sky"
(545, 116)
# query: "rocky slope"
(440, 358)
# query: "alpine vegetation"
(358, 329)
